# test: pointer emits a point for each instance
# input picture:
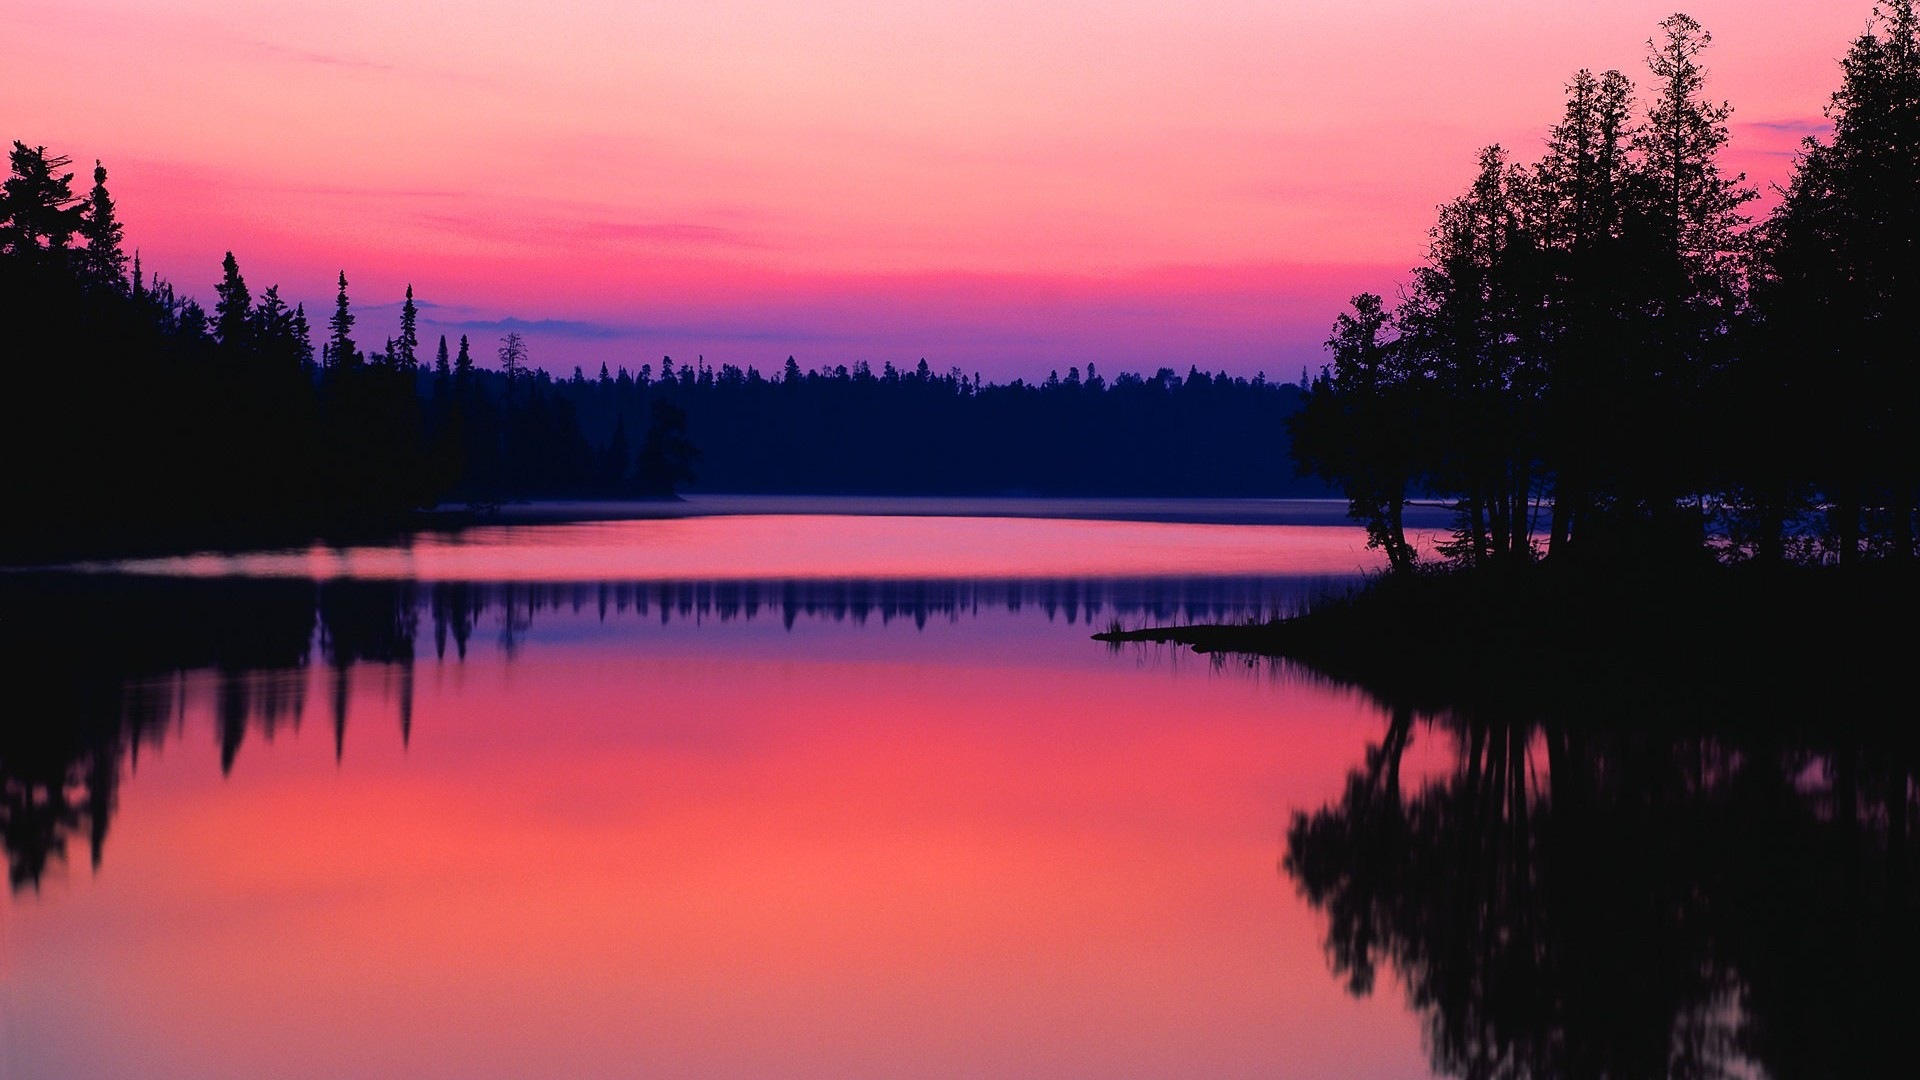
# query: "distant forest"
(137, 417)
(1603, 355)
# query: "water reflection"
(109, 658)
(1631, 896)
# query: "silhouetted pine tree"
(340, 352)
(41, 215)
(102, 262)
(406, 348)
(233, 311)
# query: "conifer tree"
(1583, 187)
(271, 316)
(441, 366)
(302, 336)
(102, 262)
(340, 350)
(1837, 289)
(406, 350)
(233, 311)
(1690, 260)
(38, 212)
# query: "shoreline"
(1723, 643)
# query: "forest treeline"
(912, 431)
(138, 417)
(1603, 352)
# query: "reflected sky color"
(810, 546)
(985, 847)
(1006, 188)
(603, 863)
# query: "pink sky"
(1003, 187)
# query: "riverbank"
(1708, 639)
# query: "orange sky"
(1005, 187)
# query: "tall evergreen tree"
(1357, 427)
(102, 262)
(1471, 319)
(1693, 209)
(340, 351)
(441, 366)
(406, 350)
(302, 336)
(1583, 187)
(1691, 244)
(1838, 286)
(233, 311)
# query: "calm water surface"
(761, 795)
(765, 795)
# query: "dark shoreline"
(1716, 643)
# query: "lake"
(740, 794)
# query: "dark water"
(800, 795)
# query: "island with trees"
(1667, 429)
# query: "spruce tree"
(340, 350)
(1692, 209)
(1837, 289)
(406, 351)
(1691, 250)
(233, 311)
(103, 262)
(302, 336)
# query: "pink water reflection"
(811, 546)
(643, 850)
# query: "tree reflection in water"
(98, 665)
(1651, 897)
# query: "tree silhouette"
(513, 357)
(406, 348)
(38, 213)
(340, 352)
(1357, 422)
(1835, 288)
(233, 311)
(102, 262)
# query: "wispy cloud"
(309, 56)
(1797, 127)
(564, 328)
(533, 227)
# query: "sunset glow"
(724, 862)
(1007, 188)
